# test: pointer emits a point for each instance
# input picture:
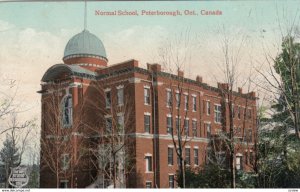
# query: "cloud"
(4, 26)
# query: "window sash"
(208, 130)
(147, 96)
(148, 184)
(147, 123)
(148, 163)
(218, 113)
(177, 96)
(186, 127)
(194, 124)
(188, 156)
(120, 96)
(169, 98)
(169, 125)
(186, 102)
(107, 99)
(208, 108)
(194, 104)
(108, 124)
(171, 181)
(196, 157)
(170, 156)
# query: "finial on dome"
(85, 15)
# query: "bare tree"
(175, 56)
(59, 154)
(114, 155)
(232, 52)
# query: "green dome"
(85, 43)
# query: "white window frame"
(147, 97)
(65, 161)
(147, 157)
(171, 181)
(107, 128)
(217, 113)
(177, 98)
(186, 102)
(196, 163)
(169, 98)
(169, 127)
(148, 182)
(120, 95)
(208, 108)
(186, 125)
(194, 129)
(239, 162)
(67, 111)
(187, 157)
(194, 99)
(148, 115)
(208, 129)
(108, 100)
(172, 163)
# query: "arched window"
(67, 111)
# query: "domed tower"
(86, 50)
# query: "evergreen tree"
(9, 156)
(278, 145)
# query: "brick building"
(137, 113)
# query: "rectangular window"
(207, 107)
(238, 163)
(186, 102)
(188, 156)
(108, 125)
(171, 181)
(239, 112)
(194, 103)
(249, 135)
(120, 95)
(249, 114)
(65, 161)
(186, 127)
(120, 123)
(169, 98)
(233, 111)
(148, 184)
(170, 156)
(194, 126)
(107, 99)
(177, 97)
(251, 158)
(148, 163)
(147, 96)
(196, 157)
(218, 113)
(169, 125)
(208, 130)
(147, 123)
(178, 124)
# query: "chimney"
(180, 73)
(240, 90)
(199, 79)
(252, 94)
(223, 86)
(154, 67)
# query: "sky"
(33, 36)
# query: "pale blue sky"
(53, 16)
